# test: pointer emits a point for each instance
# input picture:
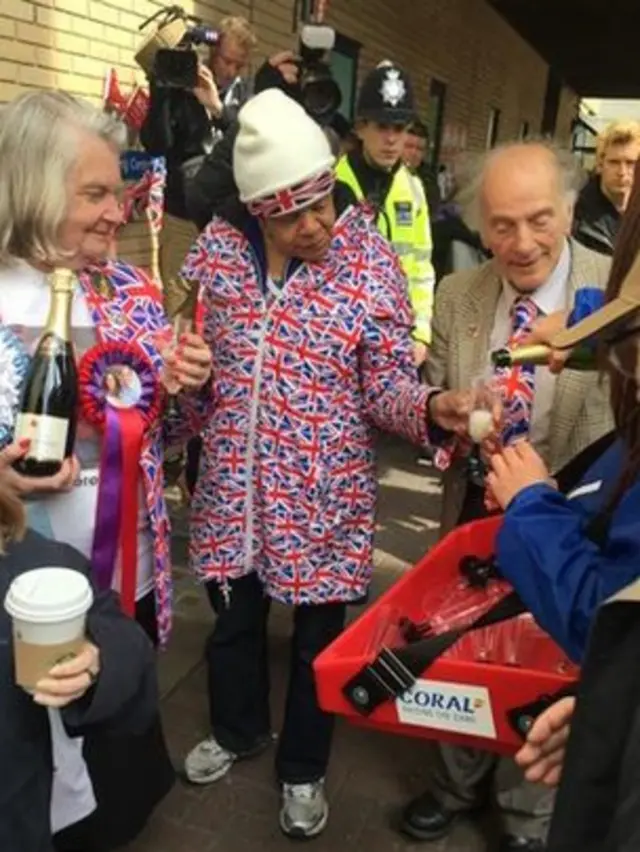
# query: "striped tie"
(517, 384)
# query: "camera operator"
(184, 125)
(306, 79)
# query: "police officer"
(374, 172)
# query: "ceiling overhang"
(591, 44)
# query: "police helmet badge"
(393, 89)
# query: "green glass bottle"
(581, 358)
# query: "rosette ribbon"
(587, 301)
(116, 528)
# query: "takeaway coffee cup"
(49, 610)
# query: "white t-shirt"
(72, 796)
(69, 517)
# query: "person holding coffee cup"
(106, 677)
(60, 207)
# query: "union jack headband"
(293, 198)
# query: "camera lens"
(321, 95)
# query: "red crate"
(459, 699)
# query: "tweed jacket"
(463, 321)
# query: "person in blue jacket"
(566, 553)
(561, 571)
(575, 560)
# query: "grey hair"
(571, 177)
(38, 148)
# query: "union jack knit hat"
(282, 160)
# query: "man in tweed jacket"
(523, 199)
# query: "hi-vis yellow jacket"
(404, 221)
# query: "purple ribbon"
(98, 412)
(107, 529)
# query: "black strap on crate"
(522, 718)
(395, 670)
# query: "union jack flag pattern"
(296, 197)
(517, 384)
(133, 313)
(287, 483)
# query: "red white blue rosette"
(123, 427)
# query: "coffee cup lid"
(48, 595)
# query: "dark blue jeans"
(238, 664)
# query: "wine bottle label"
(48, 436)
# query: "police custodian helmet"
(386, 96)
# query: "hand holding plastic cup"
(486, 404)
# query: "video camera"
(320, 94)
(168, 54)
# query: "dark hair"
(419, 129)
(624, 402)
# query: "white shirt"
(69, 517)
(72, 796)
(552, 296)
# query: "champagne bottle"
(48, 410)
(581, 358)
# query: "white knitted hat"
(278, 147)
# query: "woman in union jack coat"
(309, 327)
(59, 184)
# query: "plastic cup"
(48, 607)
(480, 425)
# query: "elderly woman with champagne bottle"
(84, 415)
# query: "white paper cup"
(49, 609)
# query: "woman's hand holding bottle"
(26, 486)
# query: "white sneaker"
(208, 762)
(305, 811)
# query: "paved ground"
(371, 775)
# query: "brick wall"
(567, 112)
(464, 43)
(69, 44)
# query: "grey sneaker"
(208, 762)
(304, 812)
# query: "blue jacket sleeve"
(560, 574)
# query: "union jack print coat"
(132, 312)
(287, 483)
